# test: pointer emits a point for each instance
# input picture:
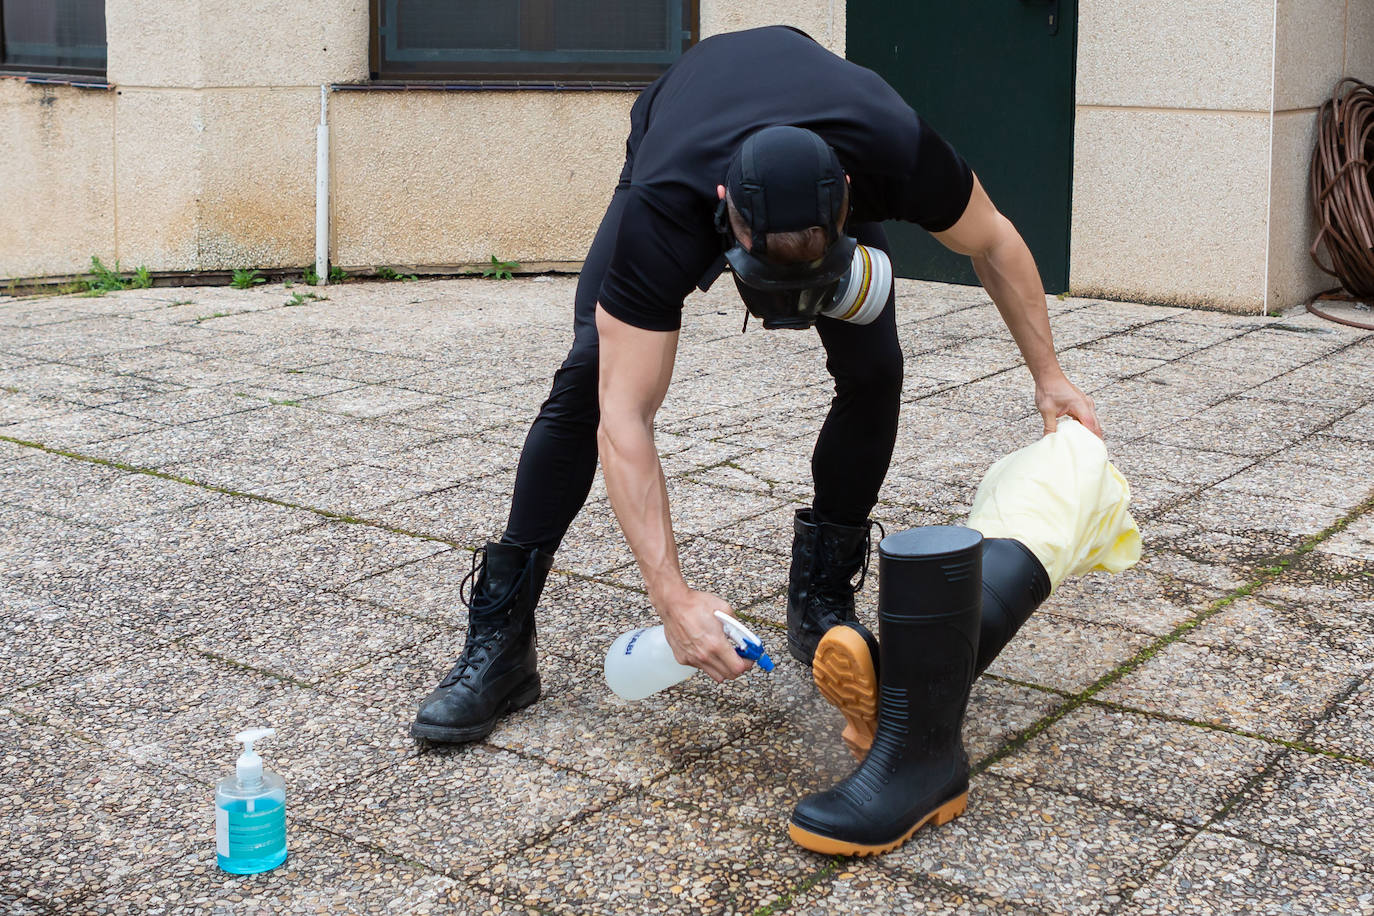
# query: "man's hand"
(697, 638)
(1056, 396)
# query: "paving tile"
(738, 575)
(189, 406)
(427, 588)
(97, 495)
(74, 819)
(1247, 426)
(579, 618)
(459, 811)
(77, 427)
(372, 368)
(291, 386)
(335, 554)
(1349, 727)
(322, 873)
(594, 544)
(1039, 848)
(1136, 599)
(580, 725)
(1180, 465)
(311, 639)
(1358, 424)
(1218, 875)
(998, 712)
(207, 373)
(1175, 772)
(1234, 690)
(1338, 637)
(445, 462)
(78, 385)
(463, 514)
(372, 401)
(863, 888)
(1313, 805)
(1064, 654)
(651, 856)
(1356, 541)
(1221, 509)
(43, 641)
(353, 490)
(449, 415)
(1189, 570)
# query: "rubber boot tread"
(844, 675)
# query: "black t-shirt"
(685, 128)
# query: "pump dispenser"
(250, 812)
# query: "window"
(629, 41)
(53, 36)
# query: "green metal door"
(995, 78)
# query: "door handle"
(1052, 6)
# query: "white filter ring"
(868, 285)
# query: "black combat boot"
(497, 671)
(820, 593)
(929, 598)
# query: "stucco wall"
(202, 156)
(1192, 144)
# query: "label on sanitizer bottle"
(222, 831)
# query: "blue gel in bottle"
(250, 814)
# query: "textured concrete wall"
(56, 178)
(1192, 145)
(204, 156)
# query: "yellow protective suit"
(1064, 500)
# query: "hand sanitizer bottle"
(640, 663)
(250, 813)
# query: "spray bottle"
(250, 813)
(640, 663)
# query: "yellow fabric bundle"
(1064, 500)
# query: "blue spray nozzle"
(747, 645)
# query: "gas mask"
(785, 179)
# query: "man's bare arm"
(1008, 272)
(635, 368)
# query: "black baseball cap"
(784, 179)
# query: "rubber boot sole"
(522, 696)
(844, 674)
(831, 846)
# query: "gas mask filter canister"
(863, 290)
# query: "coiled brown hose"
(1342, 166)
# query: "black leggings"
(847, 466)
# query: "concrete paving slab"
(322, 873)
(862, 888)
(1310, 804)
(1218, 874)
(335, 554)
(651, 856)
(1234, 690)
(1041, 848)
(438, 809)
(311, 639)
(1065, 654)
(121, 564)
(1169, 770)
(1136, 599)
(113, 819)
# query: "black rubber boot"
(1014, 585)
(820, 593)
(846, 664)
(497, 672)
(916, 772)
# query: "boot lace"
(837, 597)
(482, 640)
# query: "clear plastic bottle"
(250, 813)
(640, 663)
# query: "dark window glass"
(59, 36)
(618, 40)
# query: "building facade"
(194, 147)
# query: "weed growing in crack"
(246, 279)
